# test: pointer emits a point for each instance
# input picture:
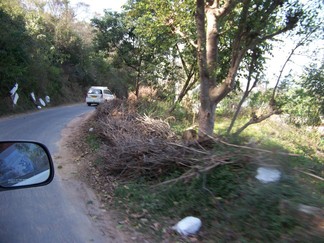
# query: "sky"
(281, 52)
(97, 7)
(302, 58)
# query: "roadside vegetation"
(158, 178)
(46, 50)
(198, 111)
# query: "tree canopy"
(216, 47)
(45, 50)
(219, 34)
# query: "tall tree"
(256, 22)
(15, 46)
(306, 36)
(119, 39)
(253, 78)
(222, 32)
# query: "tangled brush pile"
(139, 146)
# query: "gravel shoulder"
(71, 167)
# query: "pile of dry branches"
(136, 145)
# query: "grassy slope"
(232, 204)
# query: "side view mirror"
(24, 164)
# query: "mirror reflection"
(22, 164)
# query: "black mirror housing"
(24, 164)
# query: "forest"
(47, 52)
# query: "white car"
(98, 94)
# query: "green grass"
(179, 119)
(231, 203)
(93, 141)
(274, 133)
(235, 204)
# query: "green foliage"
(93, 141)
(241, 30)
(228, 106)
(302, 108)
(47, 51)
(15, 47)
(275, 133)
(229, 200)
(116, 41)
(257, 101)
(231, 203)
(304, 102)
(118, 38)
(174, 60)
(313, 82)
(102, 72)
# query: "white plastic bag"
(188, 226)
(266, 175)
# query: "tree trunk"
(229, 129)
(208, 16)
(248, 90)
(207, 108)
(206, 120)
(137, 82)
(186, 87)
(208, 38)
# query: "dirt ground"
(71, 165)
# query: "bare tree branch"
(255, 119)
(226, 8)
(249, 148)
(248, 89)
(299, 44)
(185, 37)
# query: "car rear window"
(107, 91)
(95, 91)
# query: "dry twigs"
(196, 171)
(250, 148)
(139, 146)
(310, 174)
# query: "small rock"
(144, 220)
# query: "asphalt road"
(43, 214)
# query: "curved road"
(43, 214)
